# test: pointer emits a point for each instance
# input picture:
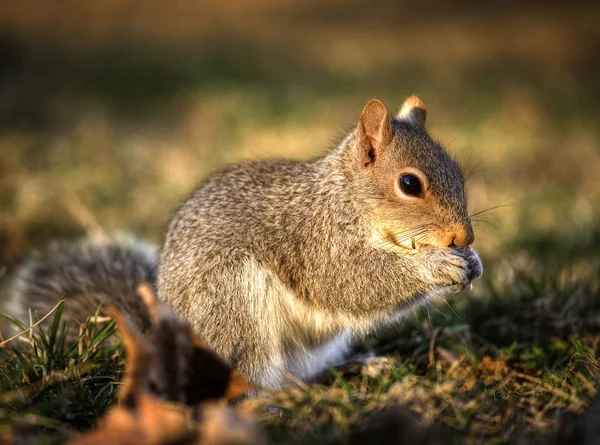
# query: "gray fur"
(86, 274)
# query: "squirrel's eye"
(411, 185)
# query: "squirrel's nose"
(461, 236)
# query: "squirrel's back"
(87, 274)
(242, 207)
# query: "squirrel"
(277, 265)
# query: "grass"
(51, 387)
(110, 123)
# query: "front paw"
(474, 267)
(455, 266)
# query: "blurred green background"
(111, 111)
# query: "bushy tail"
(87, 274)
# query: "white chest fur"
(310, 362)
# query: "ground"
(107, 123)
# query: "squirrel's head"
(412, 189)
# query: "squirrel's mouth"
(404, 243)
(385, 239)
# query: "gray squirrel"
(278, 264)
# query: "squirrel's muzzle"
(459, 235)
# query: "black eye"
(411, 185)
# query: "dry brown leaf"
(161, 404)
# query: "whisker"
(454, 138)
(463, 168)
(410, 235)
(474, 169)
(404, 235)
(490, 209)
(451, 308)
(490, 222)
(481, 228)
(483, 221)
(428, 237)
(429, 316)
(438, 310)
(403, 323)
(412, 230)
(485, 217)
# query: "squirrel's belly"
(310, 362)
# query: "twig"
(83, 215)
(37, 420)
(432, 347)
(32, 326)
(24, 394)
(549, 388)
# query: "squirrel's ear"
(413, 111)
(374, 130)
